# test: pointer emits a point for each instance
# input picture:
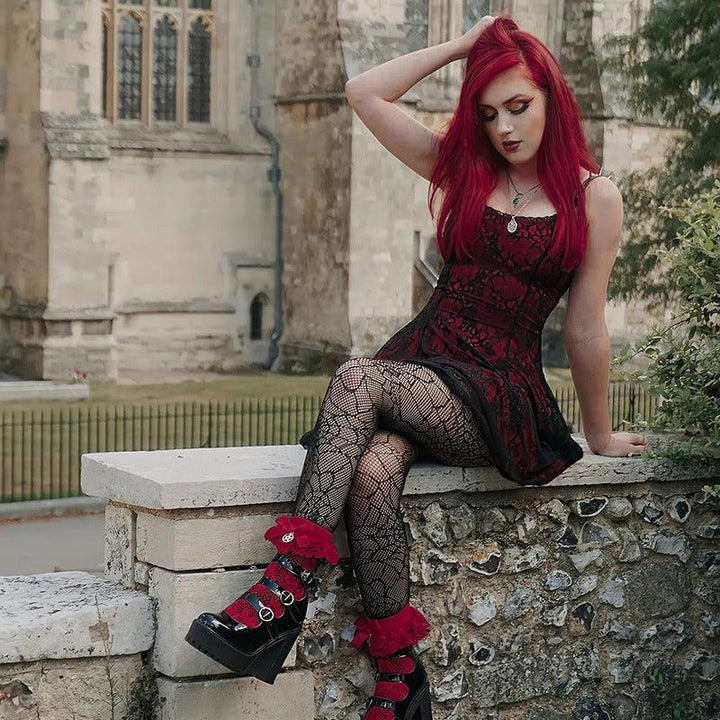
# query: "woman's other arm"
(586, 337)
(373, 94)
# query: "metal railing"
(40, 448)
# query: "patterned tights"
(377, 417)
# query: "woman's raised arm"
(373, 94)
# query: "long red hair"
(468, 165)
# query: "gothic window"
(158, 58)
(165, 70)
(199, 73)
(416, 24)
(256, 317)
(473, 11)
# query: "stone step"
(290, 698)
(71, 615)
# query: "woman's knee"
(351, 375)
(387, 459)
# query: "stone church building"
(184, 186)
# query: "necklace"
(512, 225)
(519, 194)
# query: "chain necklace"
(519, 194)
(512, 225)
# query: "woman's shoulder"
(601, 193)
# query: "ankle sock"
(242, 611)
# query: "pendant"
(515, 201)
(512, 225)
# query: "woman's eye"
(523, 107)
(488, 118)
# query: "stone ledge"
(221, 477)
(290, 697)
(98, 617)
(42, 390)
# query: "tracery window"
(158, 61)
(443, 16)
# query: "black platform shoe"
(402, 687)
(257, 652)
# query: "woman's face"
(513, 113)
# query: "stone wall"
(546, 603)
(23, 165)
(145, 246)
(314, 125)
(543, 605)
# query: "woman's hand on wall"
(621, 444)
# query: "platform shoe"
(254, 635)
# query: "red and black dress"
(481, 333)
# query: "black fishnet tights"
(376, 418)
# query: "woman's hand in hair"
(471, 36)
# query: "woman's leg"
(375, 528)
(390, 625)
(363, 395)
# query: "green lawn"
(214, 387)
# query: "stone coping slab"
(14, 390)
(71, 615)
(222, 477)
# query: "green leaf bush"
(683, 354)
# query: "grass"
(217, 387)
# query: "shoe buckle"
(266, 614)
(287, 598)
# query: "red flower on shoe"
(302, 536)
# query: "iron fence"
(40, 448)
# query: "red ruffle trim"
(308, 538)
(388, 635)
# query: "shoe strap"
(285, 596)
(399, 664)
(305, 576)
(265, 613)
(379, 703)
(388, 677)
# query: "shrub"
(684, 353)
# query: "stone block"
(80, 689)
(120, 544)
(97, 617)
(229, 699)
(180, 598)
(209, 540)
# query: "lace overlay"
(481, 333)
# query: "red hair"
(468, 165)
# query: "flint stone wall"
(540, 611)
(545, 602)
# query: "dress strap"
(586, 182)
(592, 177)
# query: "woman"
(523, 216)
